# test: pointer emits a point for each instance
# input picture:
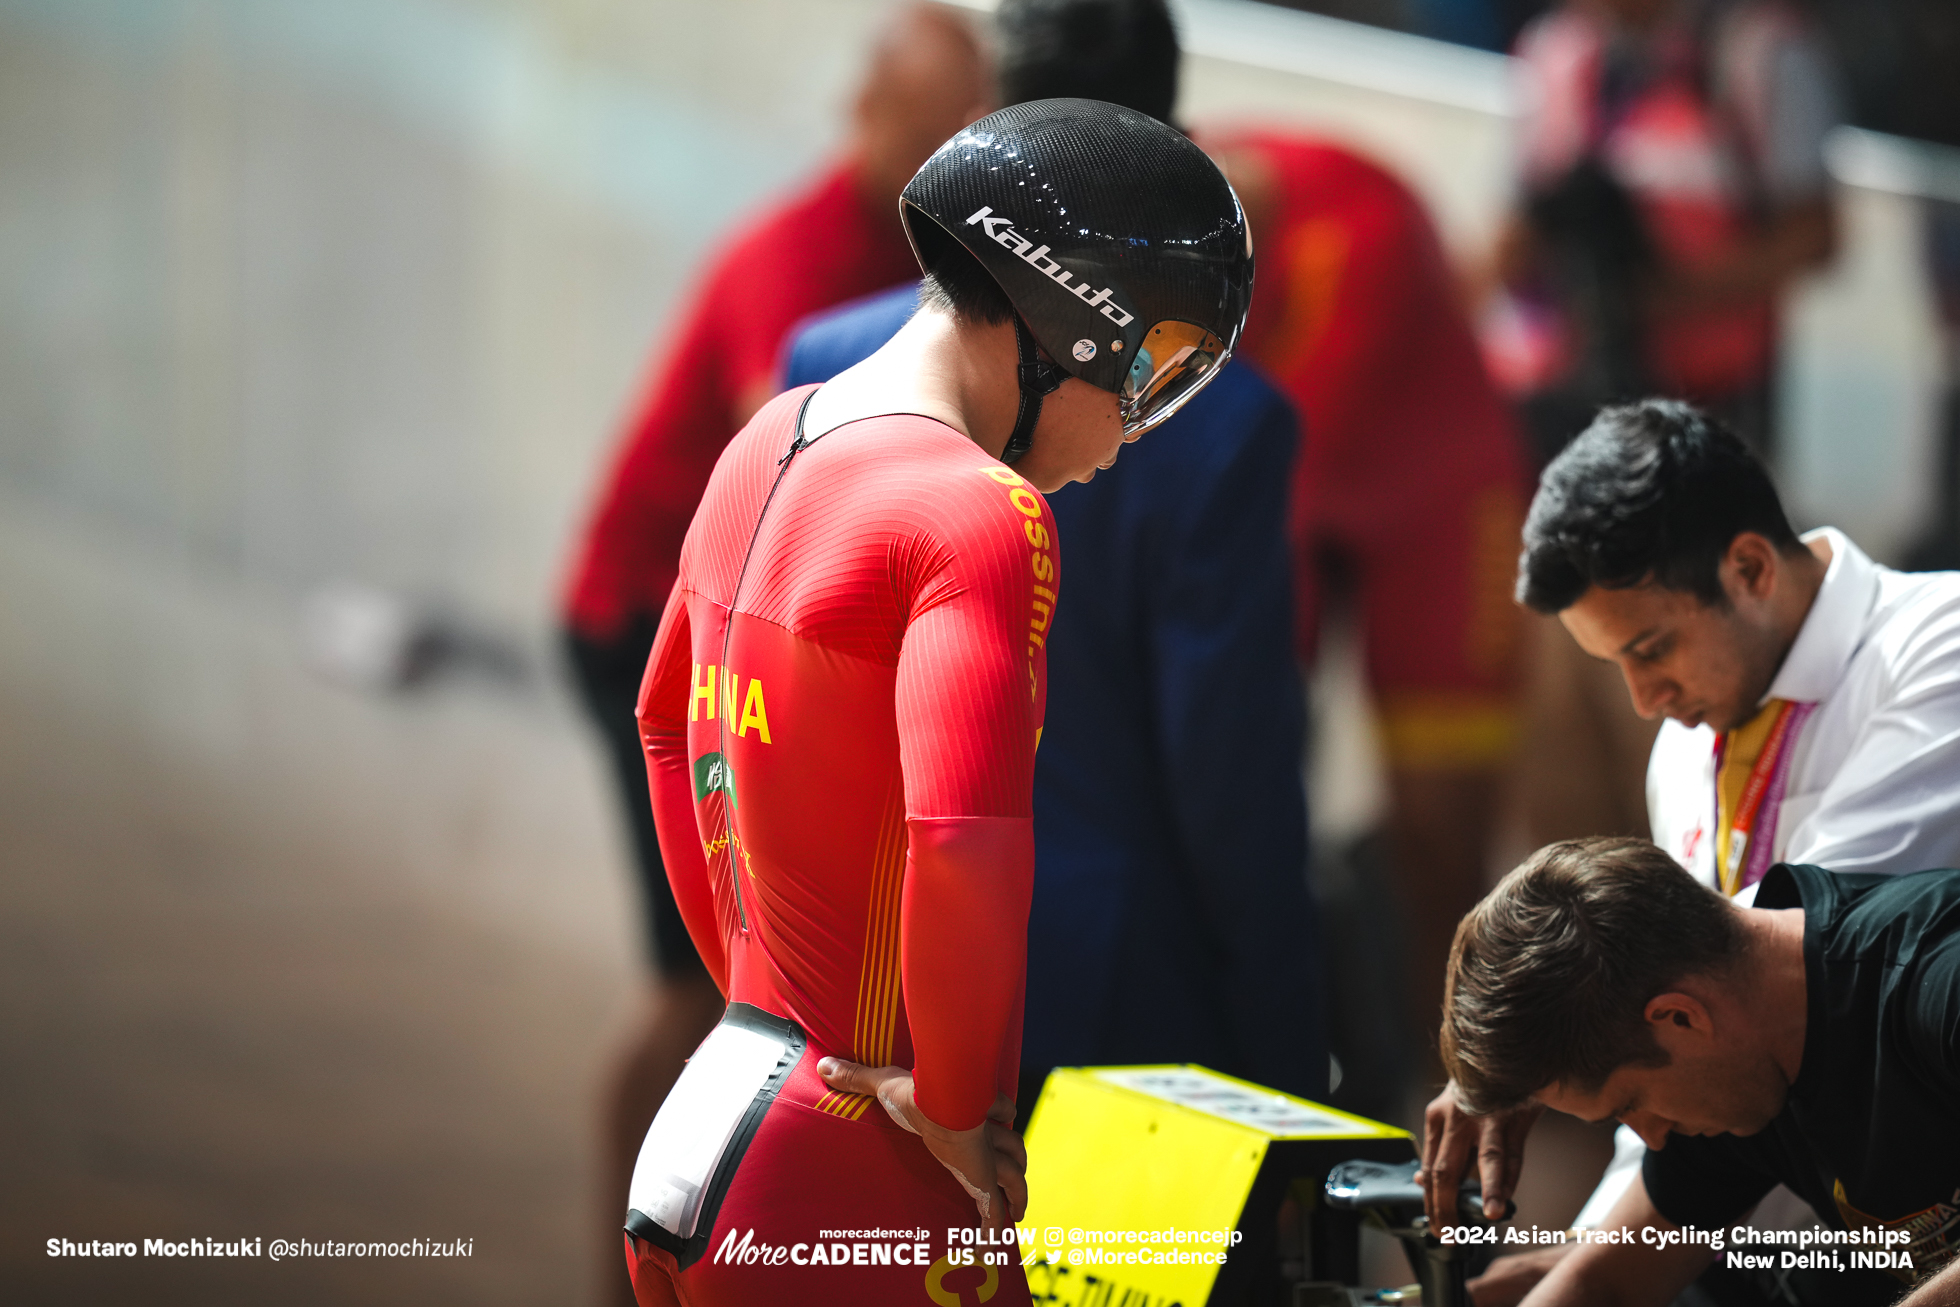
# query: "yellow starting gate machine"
(1161, 1186)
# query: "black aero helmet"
(1120, 246)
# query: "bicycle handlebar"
(1392, 1191)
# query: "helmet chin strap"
(1038, 378)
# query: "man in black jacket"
(1809, 1040)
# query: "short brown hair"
(1550, 975)
(956, 283)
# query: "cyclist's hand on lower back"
(989, 1160)
(1451, 1136)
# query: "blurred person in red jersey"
(1673, 184)
(1407, 501)
(837, 238)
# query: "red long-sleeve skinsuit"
(874, 691)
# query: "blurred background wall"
(292, 296)
(296, 297)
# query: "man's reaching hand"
(1450, 1135)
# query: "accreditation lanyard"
(1745, 827)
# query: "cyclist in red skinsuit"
(844, 699)
(886, 642)
(837, 238)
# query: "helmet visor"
(1172, 364)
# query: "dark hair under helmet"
(1119, 244)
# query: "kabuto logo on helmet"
(1001, 230)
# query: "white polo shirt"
(1874, 780)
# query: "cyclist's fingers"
(1013, 1181)
(1008, 1142)
(854, 1078)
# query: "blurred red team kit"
(826, 245)
(1411, 474)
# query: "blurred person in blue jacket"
(1171, 919)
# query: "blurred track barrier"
(1863, 360)
(1438, 113)
(1894, 165)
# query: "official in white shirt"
(1812, 696)
(1873, 781)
